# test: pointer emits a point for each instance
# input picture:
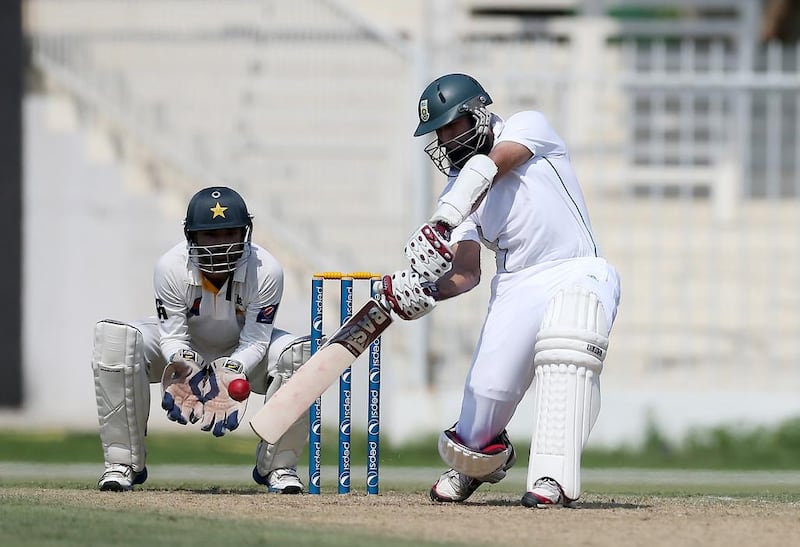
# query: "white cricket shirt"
(534, 215)
(235, 321)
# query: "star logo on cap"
(218, 210)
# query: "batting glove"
(407, 295)
(429, 253)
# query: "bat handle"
(443, 230)
(377, 290)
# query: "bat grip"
(377, 294)
(443, 230)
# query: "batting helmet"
(447, 98)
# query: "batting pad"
(570, 350)
(123, 392)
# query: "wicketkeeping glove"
(220, 411)
(182, 386)
(407, 295)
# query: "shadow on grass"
(611, 504)
(207, 490)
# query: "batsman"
(216, 299)
(511, 186)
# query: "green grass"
(723, 448)
(31, 518)
(730, 448)
(22, 522)
(193, 448)
(28, 518)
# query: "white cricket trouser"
(502, 365)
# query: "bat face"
(363, 328)
(311, 380)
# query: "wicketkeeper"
(216, 295)
(510, 185)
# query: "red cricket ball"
(239, 389)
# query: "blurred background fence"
(682, 118)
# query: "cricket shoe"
(120, 478)
(453, 486)
(280, 481)
(546, 492)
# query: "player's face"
(458, 138)
(217, 251)
(458, 141)
(453, 130)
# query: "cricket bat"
(323, 369)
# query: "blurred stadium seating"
(683, 128)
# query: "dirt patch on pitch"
(487, 519)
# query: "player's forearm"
(454, 284)
(465, 274)
(253, 344)
(250, 355)
(174, 335)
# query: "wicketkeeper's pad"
(286, 452)
(123, 392)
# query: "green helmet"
(447, 98)
(217, 208)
